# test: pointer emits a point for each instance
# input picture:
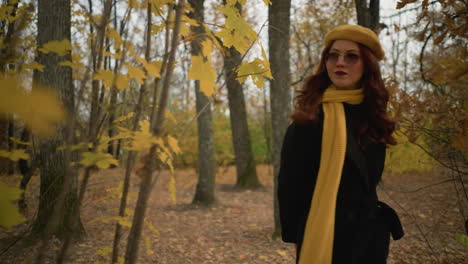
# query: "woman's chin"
(344, 86)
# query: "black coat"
(362, 224)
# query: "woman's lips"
(340, 73)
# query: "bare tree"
(245, 163)
(368, 13)
(280, 94)
(204, 192)
(7, 52)
(147, 179)
(58, 205)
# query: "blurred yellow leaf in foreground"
(40, 109)
(9, 215)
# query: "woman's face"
(344, 64)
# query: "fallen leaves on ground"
(238, 228)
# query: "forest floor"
(238, 228)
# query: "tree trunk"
(245, 163)
(147, 181)
(4, 162)
(98, 45)
(204, 192)
(132, 154)
(25, 169)
(368, 16)
(112, 149)
(11, 144)
(7, 53)
(280, 93)
(56, 181)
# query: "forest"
(150, 131)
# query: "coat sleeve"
(288, 186)
(380, 161)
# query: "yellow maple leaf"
(184, 29)
(10, 215)
(123, 221)
(153, 68)
(281, 253)
(125, 117)
(67, 63)
(155, 29)
(237, 32)
(255, 70)
(14, 155)
(60, 47)
(4, 12)
(190, 21)
(166, 158)
(115, 36)
(17, 141)
(100, 160)
(266, 65)
(34, 65)
(103, 143)
(143, 139)
(82, 145)
(136, 73)
(129, 212)
(233, 2)
(173, 144)
(213, 38)
(39, 109)
(106, 76)
(123, 135)
(172, 189)
(207, 48)
(149, 251)
(152, 228)
(227, 37)
(104, 251)
(204, 72)
(122, 82)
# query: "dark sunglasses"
(349, 58)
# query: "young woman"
(333, 156)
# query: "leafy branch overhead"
(236, 33)
(258, 70)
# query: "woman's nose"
(340, 61)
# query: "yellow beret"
(357, 34)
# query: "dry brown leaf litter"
(238, 228)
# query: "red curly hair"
(374, 122)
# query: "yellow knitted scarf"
(317, 246)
